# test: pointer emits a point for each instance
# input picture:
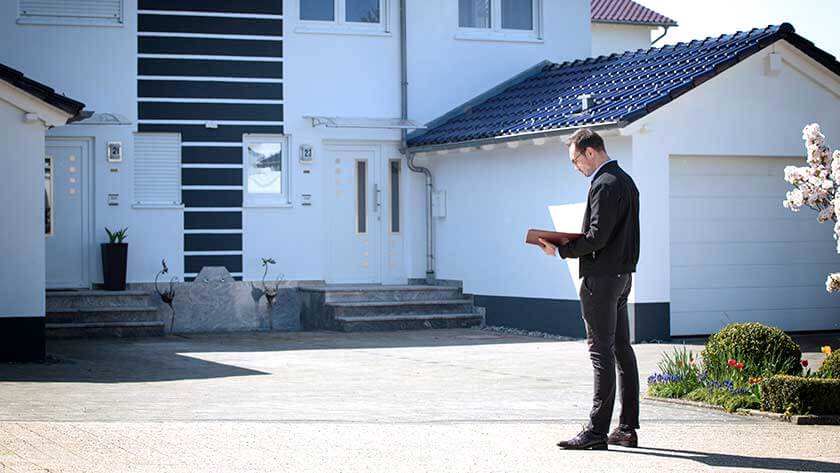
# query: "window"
(266, 163)
(343, 16)
(394, 169)
(71, 12)
(157, 170)
(474, 13)
(513, 20)
(48, 195)
(361, 199)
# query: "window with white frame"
(71, 12)
(500, 19)
(343, 15)
(266, 162)
(157, 170)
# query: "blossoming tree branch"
(817, 186)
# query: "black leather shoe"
(624, 437)
(585, 440)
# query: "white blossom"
(832, 283)
(795, 200)
(826, 214)
(813, 134)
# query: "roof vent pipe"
(587, 101)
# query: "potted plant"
(114, 260)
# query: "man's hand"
(548, 247)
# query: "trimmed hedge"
(800, 395)
(754, 342)
(831, 366)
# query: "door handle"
(377, 198)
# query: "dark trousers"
(603, 300)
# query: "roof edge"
(40, 91)
(786, 32)
(617, 125)
(637, 23)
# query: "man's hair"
(586, 138)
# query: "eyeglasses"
(576, 157)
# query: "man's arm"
(604, 209)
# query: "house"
(625, 25)
(27, 110)
(227, 133)
(705, 128)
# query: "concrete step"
(409, 322)
(362, 293)
(105, 329)
(102, 314)
(386, 308)
(96, 298)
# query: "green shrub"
(831, 366)
(721, 397)
(800, 395)
(765, 348)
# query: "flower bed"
(768, 378)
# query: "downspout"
(661, 36)
(430, 256)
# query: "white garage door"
(737, 255)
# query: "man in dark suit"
(607, 254)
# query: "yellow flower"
(827, 350)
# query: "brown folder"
(557, 238)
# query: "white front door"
(355, 212)
(67, 213)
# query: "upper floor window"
(513, 20)
(71, 12)
(343, 16)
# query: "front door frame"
(376, 178)
(88, 208)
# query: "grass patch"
(723, 398)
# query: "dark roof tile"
(43, 92)
(625, 86)
(627, 12)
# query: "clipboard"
(556, 238)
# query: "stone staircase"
(95, 313)
(358, 308)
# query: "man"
(607, 254)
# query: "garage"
(738, 255)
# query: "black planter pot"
(114, 262)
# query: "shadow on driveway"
(168, 358)
(737, 461)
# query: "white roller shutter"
(71, 11)
(157, 169)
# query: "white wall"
(444, 72)
(492, 199)
(359, 75)
(324, 74)
(609, 38)
(741, 112)
(98, 66)
(21, 215)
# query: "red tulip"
(804, 363)
(740, 365)
(732, 362)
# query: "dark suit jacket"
(610, 244)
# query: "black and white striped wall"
(211, 70)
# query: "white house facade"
(226, 134)
(27, 109)
(706, 143)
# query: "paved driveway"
(444, 400)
